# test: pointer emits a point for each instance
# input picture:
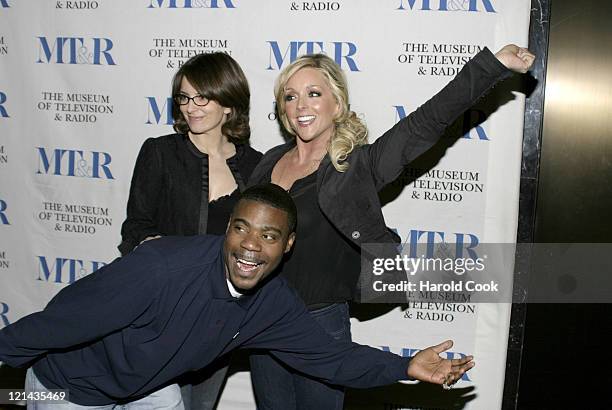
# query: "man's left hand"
(428, 366)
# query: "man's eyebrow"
(242, 220)
(272, 228)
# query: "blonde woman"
(334, 177)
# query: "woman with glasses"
(188, 182)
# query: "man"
(177, 303)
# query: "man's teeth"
(306, 118)
(247, 262)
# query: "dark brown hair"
(218, 77)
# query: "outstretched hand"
(515, 58)
(428, 366)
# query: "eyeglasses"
(199, 100)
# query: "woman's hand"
(515, 58)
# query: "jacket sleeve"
(143, 201)
(420, 130)
(298, 341)
(101, 303)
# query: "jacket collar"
(240, 149)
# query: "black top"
(169, 190)
(219, 211)
(164, 309)
(323, 267)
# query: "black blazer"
(169, 190)
(350, 199)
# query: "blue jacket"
(165, 309)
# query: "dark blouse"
(323, 267)
(169, 190)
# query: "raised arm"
(142, 207)
(420, 130)
(103, 302)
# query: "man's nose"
(251, 243)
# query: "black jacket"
(169, 190)
(165, 309)
(350, 199)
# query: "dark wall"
(565, 345)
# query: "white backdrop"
(84, 83)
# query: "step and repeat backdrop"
(84, 83)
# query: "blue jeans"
(277, 387)
(201, 389)
(168, 398)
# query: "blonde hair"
(349, 131)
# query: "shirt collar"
(220, 289)
(232, 289)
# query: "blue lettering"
(72, 161)
(44, 159)
(96, 167)
(44, 271)
(405, 352)
(188, 4)
(4, 311)
(76, 165)
(4, 3)
(76, 45)
(343, 51)
(228, 3)
(48, 52)
(400, 112)
(98, 51)
(443, 5)
(3, 112)
(425, 4)
(338, 56)
(157, 112)
(279, 58)
(97, 265)
(459, 243)
(486, 3)
(414, 237)
(160, 4)
(3, 217)
(474, 117)
(73, 47)
(75, 268)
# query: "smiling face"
(310, 105)
(202, 120)
(257, 237)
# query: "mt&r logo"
(343, 53)
(65, 270)
(191, 4)
(75, 50)
(447, 5)
(74, 163)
